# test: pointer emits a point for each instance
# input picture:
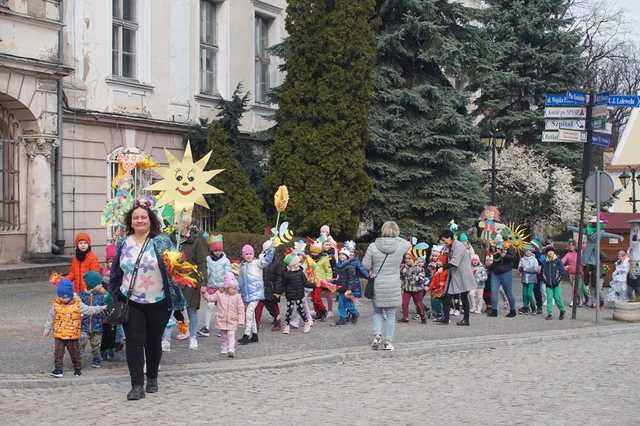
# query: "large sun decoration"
(184, 183)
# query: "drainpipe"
(58, 246)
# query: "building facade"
(129, 77)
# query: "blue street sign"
(560, 100)
(624, 101)
(602, 98)
(579, 97)
(601, 139)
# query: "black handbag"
(118, 312)
(370, 290)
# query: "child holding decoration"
(292, 285)
(252, 286)
(91, 328)
(346, 274)
(64, 319)
(229, 313)
(217, 266)
(412, 276)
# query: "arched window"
(9, 173)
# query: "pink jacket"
(229, 310)
(569, 260)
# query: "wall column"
(39, 149)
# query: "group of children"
(303, 274)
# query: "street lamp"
(629, 173)
(494, 141)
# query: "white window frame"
(208, 78)
(262, 26)
(119, 25)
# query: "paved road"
(592, 381)
(23, 310)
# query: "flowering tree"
(532, 191)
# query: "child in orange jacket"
(84, 261)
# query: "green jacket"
(195, 250)
(323, 269)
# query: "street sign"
(601, 98)
(572, 135)
(556, 124)
(554, 136)
(565, 112)
(560, 100)
(579, 97)
(601, 139)
(606, 187)
(600, 111)
(599, 123)
(624, 101)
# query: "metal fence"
(10, 187)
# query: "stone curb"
(334, 356)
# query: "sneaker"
(387, 346)
(204, 332)
(549, 317)
(277, 326)
(77, 372)
(254, 338)
(320, 316)
(295, 323)
(539, 311)
(561, 315)
(96, 363)
(329, 314)
(244, 340)
(57, 373)
(523, 311)
(193, 343)
(307, 327)
(182, 336)
(403, 320)
(456, 312)
(376, 343)
(423, 320)
(417, 317)
(341, 322)
(354, 319)
(463, 322)
(231, 354)
(492, 313)
(286, 329)
(166, 345)
(511, 314)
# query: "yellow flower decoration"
(281, 198)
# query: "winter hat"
(475, 257)
(549, 248)
(315, 248)
(92, 279)
(325, 230)
(82, 236)
(65, 288)
(230, 280)
(290, 258)
(247, 250)
(299, 247)
(463, 237)
(216, 243)
(110, 252)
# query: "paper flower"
(55, 278)
(281, 198)
(181, 272)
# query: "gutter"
(58, 244)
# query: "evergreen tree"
(322, 118)
(531, 51)
(422, 137)
(239, 208)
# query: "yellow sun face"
(184, 182)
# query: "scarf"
(81, 255)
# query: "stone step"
(32, 272)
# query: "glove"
(267, 245)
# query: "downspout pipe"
(58, 246)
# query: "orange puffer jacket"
(76, 275)
(66, 322)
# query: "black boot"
(244, 340)
(152, 385)
(254, 338)
(511, 314)
(136, 392)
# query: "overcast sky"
(633, 9)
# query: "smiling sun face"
(184, 183)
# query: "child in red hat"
(83, 261)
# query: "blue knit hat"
(65, 288)
(92, 279)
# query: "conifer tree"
(322, 117)
(422, 138)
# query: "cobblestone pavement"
(553, 382)
(23, 352)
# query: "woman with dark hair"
(138, 274)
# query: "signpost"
(557, 124)
(572, 135)
(565, 112)
(601, 139)
(624, 101)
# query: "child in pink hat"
(229, 313)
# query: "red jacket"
(570, 261)
(76, 275)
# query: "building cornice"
(130, 121)
(34, 66)
(134, 84)
(267, 7)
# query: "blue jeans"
(193, 322)
(346, 307)
(384, 322)
(504, 280)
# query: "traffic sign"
(572, 135)
(601, 139)
(580, 97)
(557, 124)
(624, 101)
(601, 98)
(606, 187)
(560, 100)
(565, 112)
